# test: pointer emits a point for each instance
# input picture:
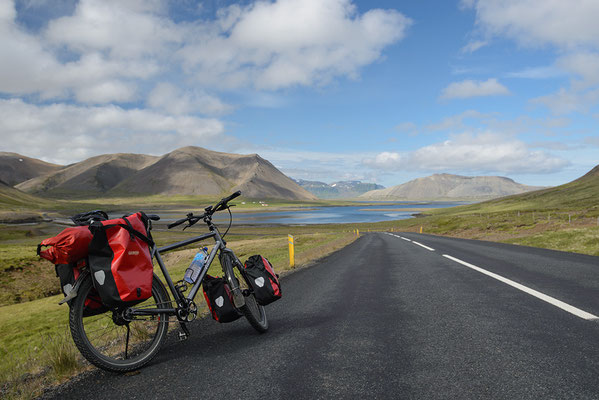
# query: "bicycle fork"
(226, 259)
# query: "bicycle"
(126, 339)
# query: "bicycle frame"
(183, 301)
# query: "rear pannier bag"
(69, 246)
(68, 274)
(120, 261)
(261, 276)
(219, 299)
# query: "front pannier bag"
(219, 299)
(120, 261)
(261, 276)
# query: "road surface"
(394, 316)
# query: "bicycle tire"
(100, 339)
(254, 313)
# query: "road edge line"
(551, 300)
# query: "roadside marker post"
(291, 251)
(420, 228)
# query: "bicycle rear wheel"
(112, 343)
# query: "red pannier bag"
(119, 260)
(261, 276)
(68, 275)
(219, 299)
(69, 246)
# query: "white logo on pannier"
(259, 281)
(133, 253)
(99, 275)
(219, 301)
(67, 288)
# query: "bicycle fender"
(73, 292)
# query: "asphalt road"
(386, 318)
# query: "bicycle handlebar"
(223, 202)
(221, 205)
(178, 222)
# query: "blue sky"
(379, 91)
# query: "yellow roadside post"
(357, 232)
(291, 251)
(420, 228)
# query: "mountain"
(98, 174)
(185, 171)
(11, 198)
(580, 194)
(337, 190)
(450, 187)
(15, 168)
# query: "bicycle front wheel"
(254, 313)
(111, 342)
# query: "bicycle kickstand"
(184, 333)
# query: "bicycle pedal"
(184, 333)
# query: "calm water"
(322, 215)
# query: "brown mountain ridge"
(185, 171)
(15, 168)
(451, 187)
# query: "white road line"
(560, 304)
(421, 245)
(401, 237)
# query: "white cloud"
(290, 42)
(67, 133)
(567, 101)
(125, 29)
(470, 88)
(406, 127)
(106, 92)
(455, 122)
(474, 45)
(482, 153)
(568, 26)
(564, 24)
(546, 72)
(266, 45)
(592, 140)
(585, 65)
(169, 98)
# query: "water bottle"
(193, 271)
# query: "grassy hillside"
(581, 195)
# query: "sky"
(328, 90)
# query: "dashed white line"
(422, 245)
(558, 303)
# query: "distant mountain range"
(185, 171)
(451, 187)
(337, 190)
(197, 171)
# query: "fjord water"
(383, 211)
